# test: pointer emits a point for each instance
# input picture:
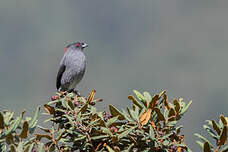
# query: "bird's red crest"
(78, 44)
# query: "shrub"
(14, 133)
(218, 131)
(75, 124)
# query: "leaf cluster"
(15, 132)
(149, 125)
(75, 124)
(219, 132)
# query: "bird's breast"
(76, 61)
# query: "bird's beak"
(84, 45)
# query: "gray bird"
(72, 67)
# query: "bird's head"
(76, 45)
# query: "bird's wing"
(59, 76)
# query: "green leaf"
(182, 104)
(93, 122)
(80, 138)
(29, 141)
(100, 115)
(132, 114)
(201, 144)
(129, 149)
(167, 135)
(7, 117)
(165, 113)
(31, 130)
(70, 95)
(47, 120)
(34, 121)
(203, 139)
(209, 122)
(185, 108)
(60, 134)
(166, 142)
(53, 102)
(210, 132)
(151, 133)
(162, 93)
(60, 110)
(3, 147)
(93, 110)
(28, 119)
(189, 150)
(171, 123)
(139, 95)
(99, 137)
(115, 112)
(136, 102)
(20, 147)
(147, 96)
(126, 132)
(126, 115)
(15, 125)
(135, 113)
(82, 99)
(41, 147)
(109, 149)
(71, 119)
(69, 105)
(111, 121)
(225, 149)
(106, 131)
(65, 140)
(220, 124)
(64, 103)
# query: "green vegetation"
(151, 124)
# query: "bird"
(72, 67)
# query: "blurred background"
(178, 45)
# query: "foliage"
(219, 132)
(150, 125)
(75, 124)
(14, 133)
